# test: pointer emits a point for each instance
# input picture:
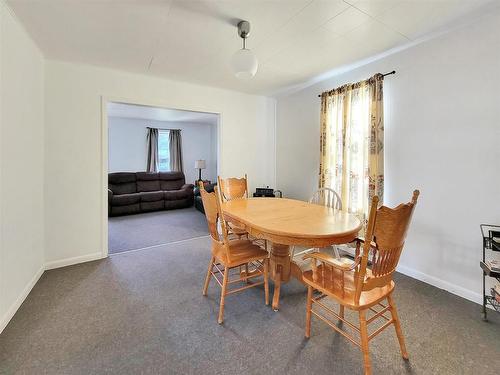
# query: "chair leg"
(207, 278)
(397, 326)
(308, 311)
(363, 329)
(266, 280)
(341, 311)
(246, 274)
(223, 295)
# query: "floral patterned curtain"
(352, 143)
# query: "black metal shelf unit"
(489, 232)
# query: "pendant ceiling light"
(244, 62)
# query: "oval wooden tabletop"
(290, 221)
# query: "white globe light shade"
(244, 64)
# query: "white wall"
(128, 145)
(75, 229)
(21, 164)
(442, 135)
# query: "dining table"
(284, 223)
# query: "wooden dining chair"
(324, 197)
(231, 254)
(327, 197)
(357, 287)
(234, 188)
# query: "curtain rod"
(147, 127)
(383, 75)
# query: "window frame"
(163, 133)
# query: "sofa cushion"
(152, 206)
(181, 203)
(125, 199)
(147, 176)
(143, 186)
(147, 181)
(122, 182)
(126, 210)
(173, 195)
(171, 180)
(121, 177)
(151, 196)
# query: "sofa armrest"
(110, 199)
(187, 187)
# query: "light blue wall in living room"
(128, 148)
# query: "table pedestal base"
(280, 269)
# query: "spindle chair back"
(363, 284)
(327, 197)
(324, 197)
(230, 254)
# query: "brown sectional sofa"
(136, 192)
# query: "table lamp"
(200, 164)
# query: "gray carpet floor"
(133, 232)
(142, 313)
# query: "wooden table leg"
(280, 269)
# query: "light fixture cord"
(244, 43)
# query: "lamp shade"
(244, 64)
(200, 164)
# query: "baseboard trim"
(5, 319)
(155, 246)
(20, 299)
(442, 284)
(74, 260)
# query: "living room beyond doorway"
(156, 156)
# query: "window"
(163, 151)
(352, 143)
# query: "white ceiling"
(193, 40)
(160, 114)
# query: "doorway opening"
(155, 157)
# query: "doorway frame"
(105, 99)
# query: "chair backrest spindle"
(327, 197)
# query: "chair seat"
(242, 252)
(330, 283)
